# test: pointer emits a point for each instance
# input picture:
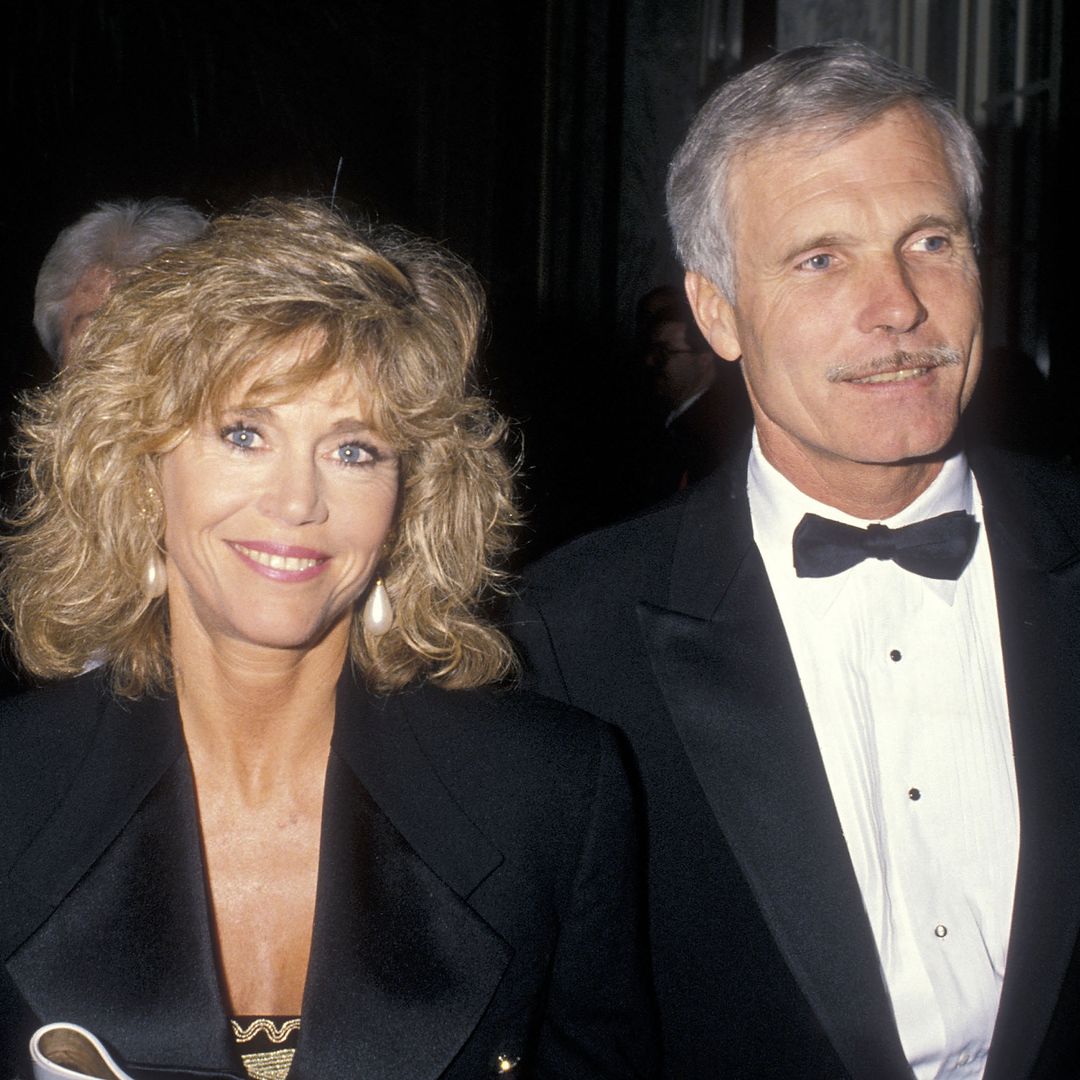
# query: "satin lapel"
(727, 676)
(401, 966)
(125, 948)
(1037, 577)
(714, 536)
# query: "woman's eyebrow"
(255, 412)
(269, 413)
(349, 423)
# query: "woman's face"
(275, 516)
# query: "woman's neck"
(257, 718)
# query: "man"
(678, 361)
(859, 746)
(82, 264)
(703, 407)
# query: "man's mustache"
(934, 357)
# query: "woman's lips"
(281, 562)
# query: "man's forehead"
(899, 150)
(903, 122)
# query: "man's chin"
(934, 451)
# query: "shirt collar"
(777, 506)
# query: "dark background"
(531, 137)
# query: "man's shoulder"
(623, 552)
(636, 555)
(1029, 489)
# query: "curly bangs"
(171, 347)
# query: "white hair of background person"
(114, 235)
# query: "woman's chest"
(261, 875)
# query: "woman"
(264, 499)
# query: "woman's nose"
(293, 493)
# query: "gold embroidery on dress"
(272, 1065)
(267, 1027)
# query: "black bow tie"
(939, 547)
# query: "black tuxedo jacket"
(476, 894)
(764, 961)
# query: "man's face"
(857, 310)
(678, 370)
(88, 295)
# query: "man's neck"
(869, 491)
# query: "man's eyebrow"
(824, 240)
(946, 222)
(954, 224)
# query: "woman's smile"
(276, 515)
(280, 561)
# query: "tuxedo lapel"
(721, 659)
(401, 966)
(1037, 579)
(116, 933)
(125, 945)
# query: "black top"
(476, 899)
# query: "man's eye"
(816, 262)
(932, 244)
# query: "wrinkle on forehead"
(775, 182)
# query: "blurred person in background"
(81, 266)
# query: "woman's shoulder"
(44, 737)
(50, 723)
(516, 750)
(509, 724)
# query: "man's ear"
(714, 314)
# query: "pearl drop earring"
(378, 612)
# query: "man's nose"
(293, 494)
(891, 303)
(655, 356)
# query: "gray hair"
(115, 235)
(832, 90)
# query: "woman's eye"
(240, 436)
(354, 453)
(816, 262)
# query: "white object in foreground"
(69, 1052)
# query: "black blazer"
(476, 893)
(764, 961)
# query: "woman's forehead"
(299, 368)
(272, 387)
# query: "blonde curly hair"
(397, 313)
